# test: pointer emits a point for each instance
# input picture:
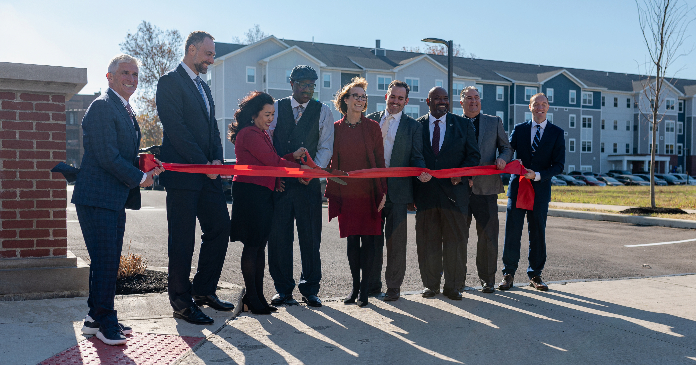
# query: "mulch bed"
(149, 282)
(649, 210)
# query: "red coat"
(254, 147)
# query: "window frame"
(680, 149)
(590, 99)
(667, 104)
(252, 68)
(386, 85)
(572, 97)
(616, 125)
(571, 145)
(410, 85)
(323, 80)
(616, 102)
(527, 96)
(574, 121)
(680, 127)
(417, 113)
(499, 93)
(549, 94)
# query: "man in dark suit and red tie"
(191, 135)
(449, 141)
(109, 181)
(540, 146)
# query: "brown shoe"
(392, 294)
(538, 284)
(507, 283)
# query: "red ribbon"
(525, 195)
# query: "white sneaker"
(112, 338)
(91, 327)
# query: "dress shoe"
(374, 292)
(507, 283)
(194, 315)
(214, 302)
(312, 301)
(487, 287)
(350, 299)
(538, 284)
(283, 299)
(255, 309)
(362, 303)
(452, 294)
(392, 294)
(112, 336)
(429, 293)
(91, 327)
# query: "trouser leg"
(454, 238)
(485, 210)
(214, 219)
(353, 253)
(536, 224)
(280, 241)
(367, 256)
(396, 235)
(429, 247)
(181, 221)
(308, 213)
(514, 222)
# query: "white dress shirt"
(193, 76)
(537, 177)
(391, 134)
(326, 131)
(125, 102)
(442, 124)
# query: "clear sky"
(591, 34)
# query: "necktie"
(436, 138)
(130, 112)
(537, 138)
(199, 82)
(300, 110)
(385, 126)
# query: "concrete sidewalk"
(646, 320)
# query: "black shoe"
(91, 327)
(214, 302)
(194, 315)
(374, 292)
(350, 299)
(312, 301)
(487, 287)
(362, 303)
(392, 294)
(283, 299)
(246, 307)
(452, 294)
(112, 336)
(429, 293)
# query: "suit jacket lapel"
(427, 146)
(125, 117)
(449, 131)
(527, 138)
(400, 133)
(194, 89)
(484, 129)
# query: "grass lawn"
(683, 197)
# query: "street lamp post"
(450, 61)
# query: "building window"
(480, 91)
(327, 80)
(383, 82)
(586, 146)
(381, 107)
(628, 102)
(616, 148)
(669, 126)
(681, 106)
(680, 127)
(601, 147)
(438, 83)
(457, 88)
(412, 83)
(457, 111)
(549, 94)
(602, 100)
(412, 111)
(602, 124)
(529, 92)
(669, 148)
(628, 125)
(616, 125)
(571, 168)
(657, 147)
(500, 114)
(549, 117)
(287, 75)
(586, 168)
(669, 104)
(571, 145)
(586, 98)
(680, 149)
(616, 102)
(587, 122)
(527, 116)
(572, 97)
(571, 120)
(628, 148)
(251, 75)
(499, 93)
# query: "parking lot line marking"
(660, 243)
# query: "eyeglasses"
(303, 85)
(359, 97)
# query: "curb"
(619, 218)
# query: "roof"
(363, 58)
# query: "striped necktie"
(537, 138)
(200, 90)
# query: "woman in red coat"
(357, 145)
(252, 206)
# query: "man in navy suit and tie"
(108, 182)
(540, 146)
(449, 141)
(191, 135)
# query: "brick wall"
(33, 200)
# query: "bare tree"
(254, 34)
(159, 51)
(664, 25)
(439, 49)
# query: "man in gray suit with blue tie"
(403, 147)
(495, 150)
(107, 184)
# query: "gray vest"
(288, 137)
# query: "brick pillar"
(34, 257)
(32, 131)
